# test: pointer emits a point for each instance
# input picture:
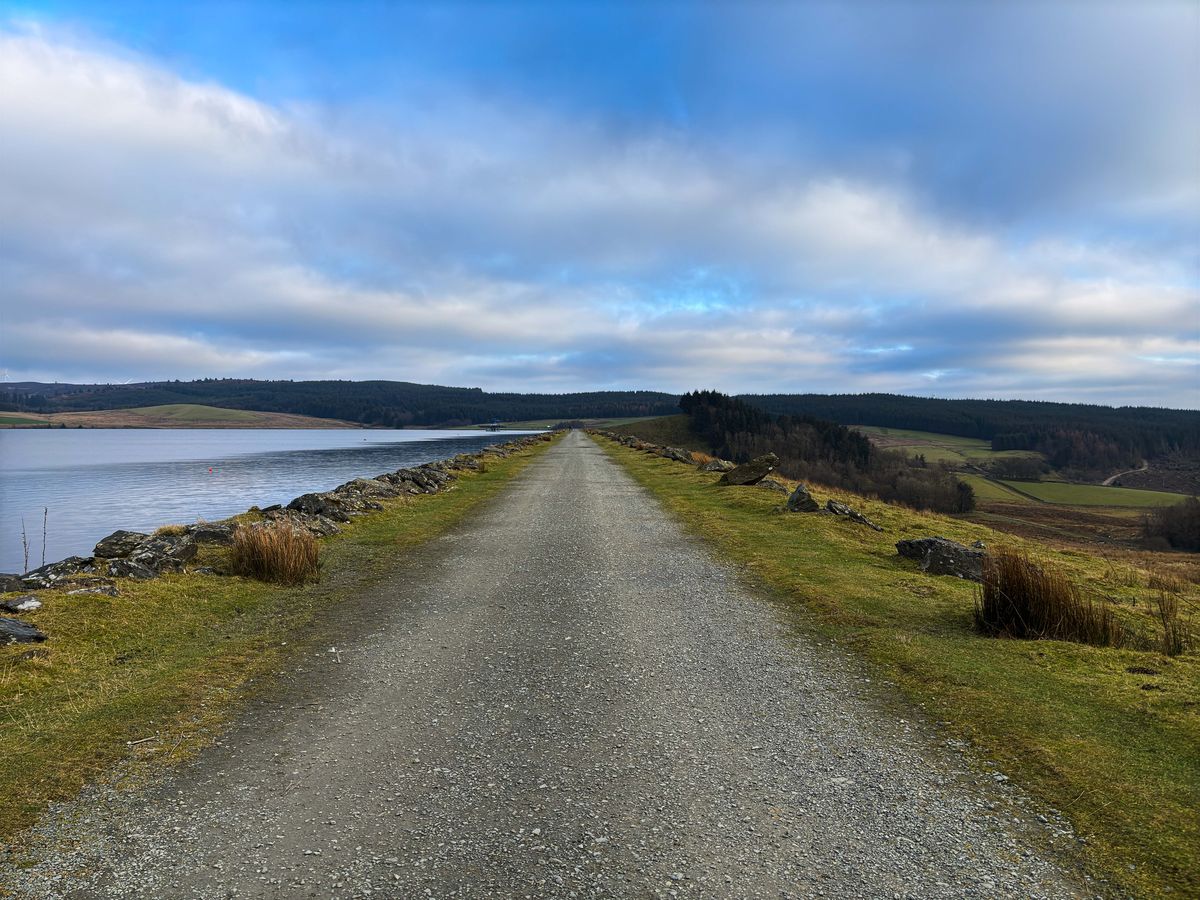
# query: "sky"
(932, 198)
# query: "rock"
(683, 456)
(9, 582)
(773, 485)
(167, 553)
(979, 545)
(120, 544)
(92, 586)
(751, 472)
(802, 501)
(941, 556)
(949, 558)
(27, 603)
(212, 532)
(717, 465)
(49, 575)
(324, 505)
(841, 509)
(128, 568)
(14, 631)
(320, 526)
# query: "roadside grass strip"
(150, 674)
(1110, 737)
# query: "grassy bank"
(169, 658)
(1110, 737)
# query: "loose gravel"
(565, 697)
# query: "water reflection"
(94, 481)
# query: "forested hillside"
(393, 404)
(818, 450)
(1073, 436)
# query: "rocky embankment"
(937, 555)
(132, 554)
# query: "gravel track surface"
(566, 696)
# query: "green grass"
(949, 448)
(20, 420)
(987, 490)
(169, 657)
(194, 412)
(1093, 494)
(672, 431)
(1117, 751)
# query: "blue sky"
(935, 198)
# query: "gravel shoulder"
(565, 696)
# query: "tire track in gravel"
(565, 696)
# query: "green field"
(987, 490)
(20, 420)
(194, 412)
(1108, 736)
(940, 447)
(1093, 494)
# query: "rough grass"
(1023, 599)
(169, 658)
(280, 554)
(671, 431)
(1109, 736)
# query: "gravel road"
(566, 696)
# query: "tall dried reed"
(1021, 599)
(281, 554)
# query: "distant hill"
(1071, 436)
(392, 404)
(175, 415)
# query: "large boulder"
(10, 582)
(318, 526)
(128, 568)
(27, 603)
(941, 556)
(14, 631)
(841, 509)
(165, 553)
(751, 472)
(52, 574)
(212, 532)
(120, 544)
(324, 505)
(683, 456)
(802, 501)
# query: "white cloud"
(153, 227)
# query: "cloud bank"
(154, 225)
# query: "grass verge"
(1109, 736)
(169, 658)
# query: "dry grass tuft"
(171, 531)
(1166, 581)
(1176, 632)
(280, 553)
(1021, 599)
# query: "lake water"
(94, 481)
